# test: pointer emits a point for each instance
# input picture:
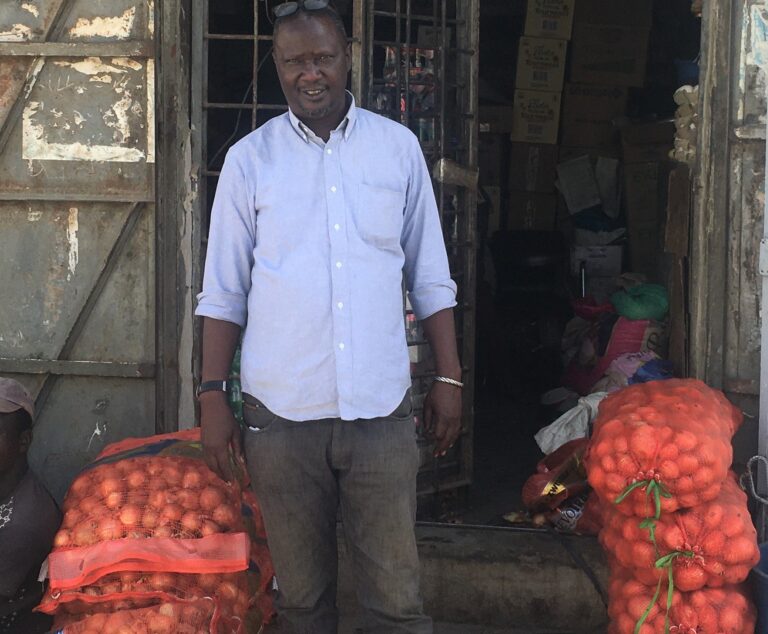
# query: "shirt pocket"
(379, 215)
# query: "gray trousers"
(303, 474)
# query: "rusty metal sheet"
(82, 416)
(13, 73)
(59, 250)
(86, 20)
(750, 92)
(98, 111)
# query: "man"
(317, 216)
(29, 517)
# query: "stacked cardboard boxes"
(541, 65)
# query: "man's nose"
(311, 70)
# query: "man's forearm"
(220, 340)
(440, 332)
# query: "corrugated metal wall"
(77, 221)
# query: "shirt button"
(341, 346)
(329, 151)
(333, 189)
(340, 305)
(338, 265)
(336, 226)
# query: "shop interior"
(585, 147)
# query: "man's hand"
(220, 433)
(442, 415)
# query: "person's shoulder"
(393, 132)
(252, 142)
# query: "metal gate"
(438, 36)
(419, 66)
(77, 222)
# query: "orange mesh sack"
(197, 617)
(148, 522)
(661, 446)
(726, 610)
(714, 544)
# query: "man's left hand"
(442, 415)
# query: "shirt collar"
(346, 125)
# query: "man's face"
(13, 444)
(313, 64)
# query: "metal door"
(419, 66)
(77, 222)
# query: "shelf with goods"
(420, 68)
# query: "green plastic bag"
(645, 301)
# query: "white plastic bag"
(571, 425)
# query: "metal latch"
(764, 257)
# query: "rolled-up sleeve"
(427, 274)
(231, 239)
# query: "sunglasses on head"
(289, 8)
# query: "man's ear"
(25, 440)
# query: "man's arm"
(442, 405)
(219, 429)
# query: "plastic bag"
(713, 545)
(661, 446)
(572, 425)
(558, 477)
(580, 514)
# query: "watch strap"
(212, 386)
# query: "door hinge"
(764, 257)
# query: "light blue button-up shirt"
(308, 247)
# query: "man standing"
(29, 517)
(318, 215)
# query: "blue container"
(760, 575)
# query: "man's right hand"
(219, 433)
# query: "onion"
(191, 521)
(109, 528)
(114, 500)
(62, 538)
(130, 515)
(225, 515)
(210, 498)
(192, 479)
(135, 479)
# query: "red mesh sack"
(726, 610)
(559, 476)
(196, 617)
(149, 522)
(714, 544)
(661, 446)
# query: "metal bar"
(131, 222)
(245, 37)
(398, 58)
(54, 196)
(369, 47)
(449, 49)
(408, 64)
(358, 46)
(139, 48)
(78, 368)
(415, 16)
(204, 212)
(255, 69)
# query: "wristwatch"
(211, 386)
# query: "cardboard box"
(541, 64)
(604, 261)
(588, 115)
(634, 13)
(549, 18)
(536, 117)
(492, 158)
(532, 167)
(496, 119)
(607, 54)
(530, 211)
(647, 142)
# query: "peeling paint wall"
(77, 217)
